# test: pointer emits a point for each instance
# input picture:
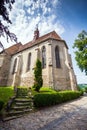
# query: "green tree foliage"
(81, 51)
(38, 81)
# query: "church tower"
(36, 34)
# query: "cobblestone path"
(67, 116)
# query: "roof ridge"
(51, 34)
(18, 47)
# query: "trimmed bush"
(69, 95)
(42, 100)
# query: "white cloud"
(26, 14)
(81, 79)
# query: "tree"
(6, 5)
(81, 51)
(38, 81)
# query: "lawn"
(6, 93)
(44, 90)
(47, 90)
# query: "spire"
(36, 33)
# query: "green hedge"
(1, 104)
(42, 100)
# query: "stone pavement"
(67, 116)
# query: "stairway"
(22, 104)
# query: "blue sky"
(74, 15)
(67, 17)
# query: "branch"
(3, 9)
(5, 31)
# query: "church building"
(17, 63)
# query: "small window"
(14, 66)
(29, 62)
(57, 57)
(43, 57)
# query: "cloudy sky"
(66, 17)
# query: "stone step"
(24, 103)
(23, 100)
(13, 113)
(11, 117)
(23, 96)
(20, 112)
(21, 107)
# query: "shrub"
(38, 81)
(86, 89)
(69, 95)
(1, 105)
(81, 92)
(44, 99)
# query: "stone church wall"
(4, 68)
(27, 77)
(57, 78)
(61, 75)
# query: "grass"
(44, 90)
(47, 90)
(6, 93)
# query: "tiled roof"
(51, 35)
(13, 49)
(19, 47)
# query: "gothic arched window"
(57, 57)
(14, 66)
(43, 57)
(29, 62)
(20, 64)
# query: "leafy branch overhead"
(6, 5)
(81, 51)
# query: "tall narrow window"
(57, 57)
(29, 62)
(14, 66)
(43, 57)
(20, 64)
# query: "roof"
(13, 49)
(19, 47)
(51, 35)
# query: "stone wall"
(4, 69)
(27, 77)
(61, 76)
